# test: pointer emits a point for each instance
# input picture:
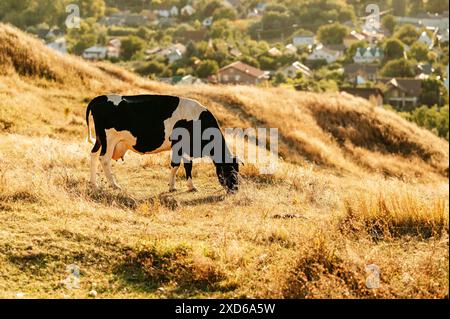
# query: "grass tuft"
(395, 215)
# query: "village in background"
(391, 52)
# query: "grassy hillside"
(356, 185)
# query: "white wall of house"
(367, 56)
(303, 41)
(321, 54)
(95, 53)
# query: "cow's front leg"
(173, 176)
(105, 159)
(188, 168)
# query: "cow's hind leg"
(95, 154)
(188, 168)
(106, 154)
(173, 176)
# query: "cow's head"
(228, 174)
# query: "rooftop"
(245, 68)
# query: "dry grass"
(396, 215)
(355, 186)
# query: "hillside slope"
(357, 186)
(44, 93)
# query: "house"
(403, 93)
(174, 11)
(173, 53)
(253, 13)
(261, 7)
(292, 70)
(290, 49)
(361, 73)
(193, 35)
(368, 55)
(127, 18)
(112, 52)
(235, 52)
(425, 70)
(163, 13)
(59, 45)
(112, 21)
(186, 80)
(115, 42)
(426, 20)
(114, 48)
(241, 73)
(153, 51)
(426, 39)
(340, 48)
(187, 10)
(149, 14)
(374, 95)
(352, 38)
(442, 36)
(275, 52)
(46, 33)
(135, 20)
(208, 22)
(54, 32)
(374, 34)
(321, 53)
(304, 40)
(95, 53)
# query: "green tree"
(207, 68)
(266, 62)
(278, 79)
(435, 119)
(153, 67)
(332, 33)
(26, 13)
(419, 52)
(436, 6)
(389, 23)
(91, 8)
(407, 33)
(399, 7)
(393, 49)
(398, 68)
(433, 92)
(276, 7)
(250, 61)
(273, 23)
(131, 46)
(210, 7)
(225, 13)
(82, 38)
(192, 49)
(313, 14)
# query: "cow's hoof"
(116, 187)
(193, 190)
(173, 190)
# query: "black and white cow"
(150, 124)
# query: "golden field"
(356, 185)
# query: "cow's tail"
(90, 139)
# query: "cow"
(150, 124)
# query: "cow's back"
(148, 118)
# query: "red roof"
(245, 68)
